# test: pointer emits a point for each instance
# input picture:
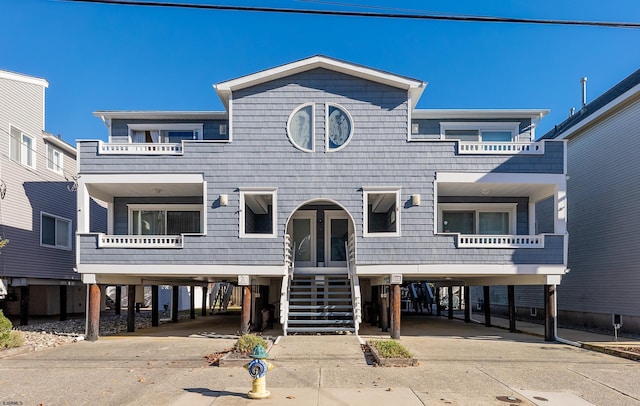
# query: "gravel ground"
(56, 333)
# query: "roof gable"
(413, 86)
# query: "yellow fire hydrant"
(258, 368)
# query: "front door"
(336, 235)
(302, 229)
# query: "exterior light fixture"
(415, 200)
(224, 200)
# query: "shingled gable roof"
(413, 86)
(618, 94)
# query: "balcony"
(139, 149)
(140, 241)
(500, 241)
(501, 148)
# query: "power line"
(467, 18)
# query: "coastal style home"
(321, 188)
(602, 288)
(37, 207)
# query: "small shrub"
(246, 343)
(5, 325)
(12, 340)
(390, 349)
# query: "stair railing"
(289, 262)
(350, 246)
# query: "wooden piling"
(93, 314)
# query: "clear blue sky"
(108, 57)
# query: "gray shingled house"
(320, 188)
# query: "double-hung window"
(480, 131)
(485, 218)
(54, 159)
(165, 220)
(55, 231)
(381, 211)
(22, 148)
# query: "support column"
(203, 311)
(93, 313)
(395, 312)
(192, 302)
(24, 305)
(63, 302)
(175, 297)
(384, 309)
(450, 297)
(118, 300)
(512, 308)
(487, 305)
(245, 317)
(155, 293)
(131, 308)
(467, 304)
(437, 298)
(550, 312)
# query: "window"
(55, 232)
(300, 127)
(339, 127)
(54, 159)
(22, 148)
(165, 220)
(381, 212)
(258, 213)
(480, 131)
(164, 133)
(481, 218)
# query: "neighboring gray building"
(318, 170)
(37, 207)
(604, 201)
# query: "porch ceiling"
(494, 189)
(145, 189)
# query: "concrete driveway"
(459, 364)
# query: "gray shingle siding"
(261, 155)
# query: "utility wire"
(469, 18)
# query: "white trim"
(230, 110)
(165, 207)
(69, 233)
(178, 269)
(326, 126)
(312, 126)
(160, 115)
(495, 177)
(366, 191)
(480, 126)
(274, 208)
(20, 77)
(466, 269)
(445, 114)
(51, 165)
(59, 143)
(480, 208)
(141, 178)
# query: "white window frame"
(57, 218)
(366, 191)
(513, 127)
(51, 165)
(312, 124)
(23, 150)
(510, 208)
(274, 219)
(197, 128)
(168, 207)
(326, 125)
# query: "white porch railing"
(140, 241)
(355, 281)
(500, 241)
(501, 148)
(139, 149)
(286, 281)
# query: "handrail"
(500, 241)
(140, 241)
(501, 148)
(286, 281)
(126, 148)
(355, 282)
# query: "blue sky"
(108, 57)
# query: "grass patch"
(246, 343)
(390, 349)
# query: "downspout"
(555, 323)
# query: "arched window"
(339, 127)
(300, 127)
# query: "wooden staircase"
(320, 304)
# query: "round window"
(339, 127)
(300, 127)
